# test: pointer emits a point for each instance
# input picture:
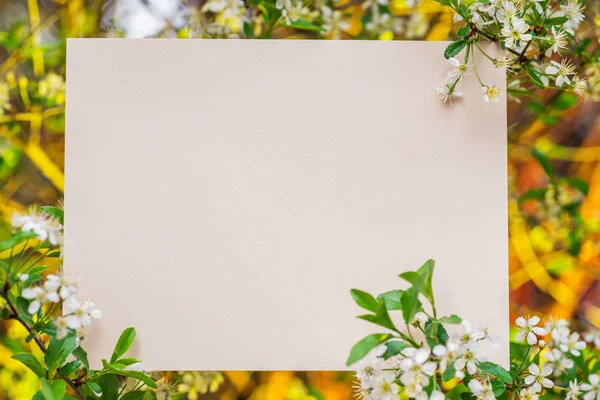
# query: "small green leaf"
(69, 367)
(464, 31)
(449, 373)
(364, 299)
(451, 319)
(496, 371)
(392, 299)
(544, 161)
(109, 385)
(81, 355)
(18, 238)
(32, 363)
(54, 390)
(498, 387)
(411, 304)
(136, 394)
(381, 317)
(304, 25)
(535, 78)
(128, 361)
(140, 376)
(362, 348)
(564, 101)
(454, 48)
(94, 387)
(578, 184)
(533, 194)
(54, 212)
(555, 21)
(123, 344)
(248, 30)
(394, 347)
(58, 351)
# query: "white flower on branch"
(558, 360)
(470, 355)
(79, 315)
(528, 394)
(445, 94)
(592, 389)
(333, 22)
(62, 328)
(508, 12)
(574, 13)
(529, 329)
(39, 296)
(515, 31)
(491, 93)
(65, 286)
(417, 368)
(368, 371)
(573, 344)
(435, 395)
(558, 41)
(470, 334)
(458, 69)
(483, 391)
(384, 387)
(574, 390)
(447, 353)
(593, 337)
(561, 71)
(505, 63)
(537, 378)
(44, 227)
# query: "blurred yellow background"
(554, 259)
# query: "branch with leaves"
(548, 362)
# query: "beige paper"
(224, 196)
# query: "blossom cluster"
(55, 291)
(537, 41)
(415, 368)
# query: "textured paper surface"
(224, 196)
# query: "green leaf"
(392, 299)
(81, 355)
(54, 390)
(58, 351)
(381, 317)
(435, 333)
(449, 373)
(54, 212)
(454, 48)
(451, 319)
(544, 161)
(496, 371)
(578, 184)
(364, 299)
(394, 347)
(32, 363)
(109, 385)
(362, 348)
(140, 376)
(22, 306)
(123, 344)
(128, 361)
(69, 367)
(411, 304)
(564, 101)
(464, 31)
(422, 279)
(136, 394)
(248, 31)
(535, 78)
(533, 194)
(94, 387)
(498, 387)
(555, 21)
(18, 238)
(304, 25)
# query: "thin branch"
(37, 340)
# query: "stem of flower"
(36, 338)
